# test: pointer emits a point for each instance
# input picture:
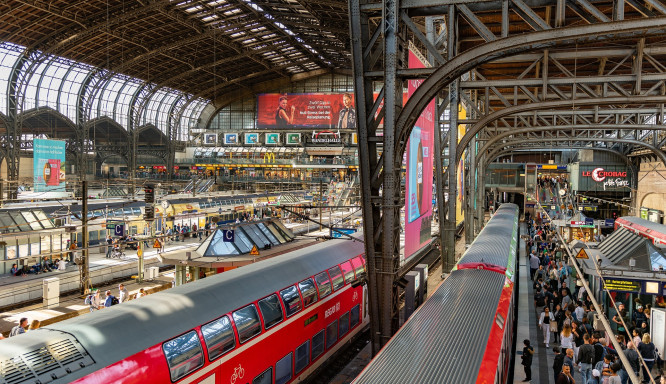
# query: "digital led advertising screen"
(306, 110)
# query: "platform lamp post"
(149, 216)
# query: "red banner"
(306, 110)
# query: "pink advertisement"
(419, 157)
(306, 110)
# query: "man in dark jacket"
(558, 362)
(528, 352)
(586, 358)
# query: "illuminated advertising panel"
(419, 158)
(231, 138)
(293, 138)
(306, 110)
(272, 138)
(251, 138)
(48, 165)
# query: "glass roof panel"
(108, 97)
(70, 90)
(125, 97)
(9, 53)
(51, 81)
(30, 101)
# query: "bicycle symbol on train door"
(239, 372)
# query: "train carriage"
(464, 332)
(274, 321)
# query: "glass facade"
(56, 83)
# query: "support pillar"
(437, 158)
(454, 89)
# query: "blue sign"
(48, 165)
(589, 221)
(609, 222)
(228, 235)
(119, 230)
(337, 235)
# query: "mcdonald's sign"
(269, 157)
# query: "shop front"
(607, 186)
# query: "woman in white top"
(544, 322)
(566, 338)
(62, 265)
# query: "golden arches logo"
(269, 157)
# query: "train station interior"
(308, 191)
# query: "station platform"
(528, 318)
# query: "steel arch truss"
(492, 56)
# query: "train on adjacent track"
(463, 333)
(275, 321)
(652, 231)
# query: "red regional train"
(463, 333)
(655, 232)
(275, 321)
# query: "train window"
(358, 267)
(291, 300)
(355, 315)
(283, 370)
(336, 277)
(344, 324)
(183, 354)
(308, 291)
(136, 210)
(219, 337)
(348, 271)
(302, 357)
(271, 310)
(247, 323)
(331, 334)
(324, 284)
(266, 377)
(317, 344)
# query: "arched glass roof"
(9, 53)
(56, 82)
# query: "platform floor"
(542, 363)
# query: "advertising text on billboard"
(306, 110)
(419, 157)
(48, 165)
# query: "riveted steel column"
(437, 157)
(367, 150)
(480, 196)
(469, 194)
(454, 90)
(391, 193)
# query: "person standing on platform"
(109, 246)
(123, 295)
(95, 301)
(565, 376)
(558, 362)
(544, 323)
(534, 265)
(528, 353)
(585, 359)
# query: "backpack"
(88, 300)
(114, 301)
(540, 302)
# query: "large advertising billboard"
(48, 165)
(306, 110)
(419, 157)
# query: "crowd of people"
(566, 317)
(96, 301)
